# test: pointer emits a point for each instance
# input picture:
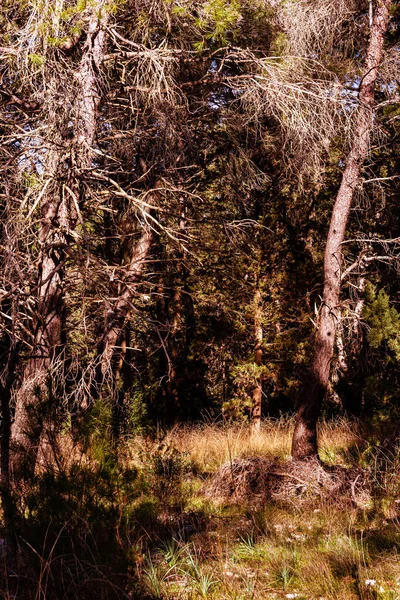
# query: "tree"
(304, 443)
(167, 174)
(258, 359)
(70, 119)
(114, 341)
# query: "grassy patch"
(143, 524)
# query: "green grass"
(317, 550)
(172, 541)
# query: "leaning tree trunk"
(304, 443)
(59, 212)
(113, 345)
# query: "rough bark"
(6, 383)
(112, 347)
(304, 443)
(113, 344)
(59, 212)
(258, 359)
(180, 332)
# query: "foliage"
(219, 18)
(383, 319)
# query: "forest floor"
(212, 512)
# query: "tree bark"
(59, 210)
(6, 382)
(304, 444)
(113, 344)
(258, 359)
(111, 347)
(181, 330)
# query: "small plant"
(384, 320)
(154, 580)
(285, 576)
(204, 583)
(172, 552)
(248, 549)
(249, 583)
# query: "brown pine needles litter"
(256, 478)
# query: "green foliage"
(36, 59)
(383, 319)
(245, 377)
(30, 180)
(138, 413)
(219, 19)
(280, 43)
(73, 10)
(168, 464)
(94, 429)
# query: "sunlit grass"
(210, 446)
(182, 543)
(272, 550)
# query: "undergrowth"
(139, 521)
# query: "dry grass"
(210, 446)
(298, 531)
(276, 537)
(335, 438)
(318, 27)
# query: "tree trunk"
(111, 349)
(180, 330)
(60, 210)
(113, 345)
(258, 359)
(6, 383)
(304, 443)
